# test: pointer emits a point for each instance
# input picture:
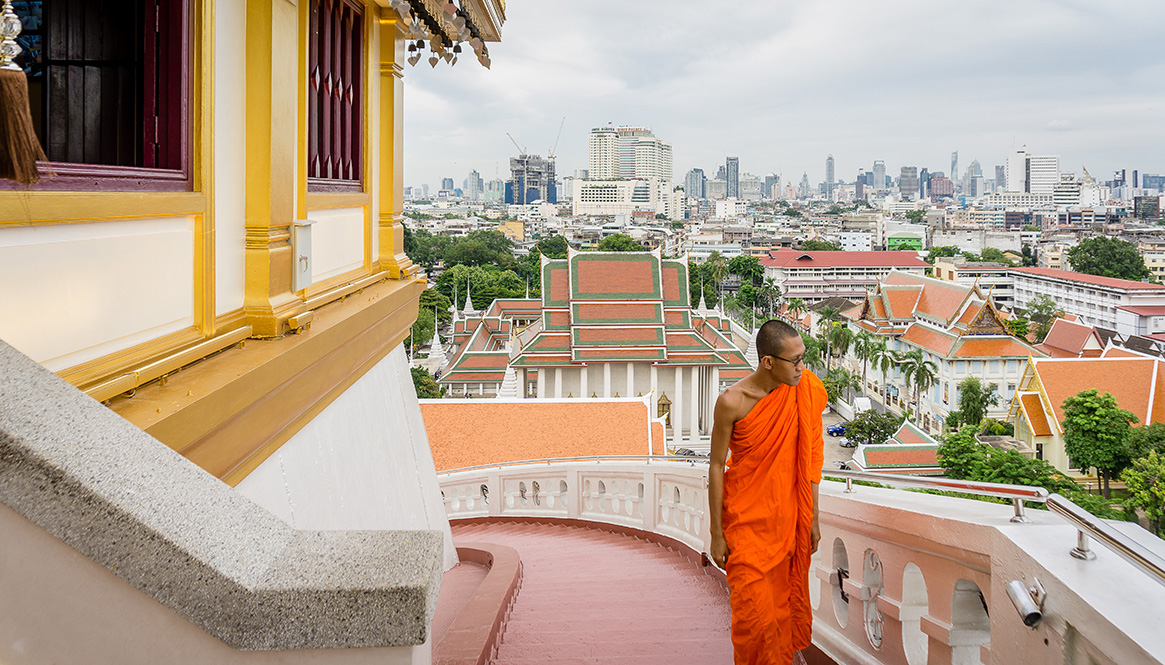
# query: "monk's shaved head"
(770, 339)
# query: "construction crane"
(521, 150)
(554, 149)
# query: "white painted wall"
(337, 241)
(363, 463)
(75, 292)
(230, 154)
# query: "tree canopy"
(1042, 311)
(820, 246)
(1145, 481)
(747, 268)
(915, 216)
(1108, 257)
(1096, 433)
(872, 428)
(974, 400)
(942, 251)
(426, 386)
(619, 242)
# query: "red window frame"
(165, 98)
(335, 141)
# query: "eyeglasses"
(799, 360)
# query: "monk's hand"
(814, 536)
(719, 551)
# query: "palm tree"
(844, 379)
(770, 292)
(827, 316)
(919, 372)
(796, 308)
(716, 267)
(841, 337)
(863, 348)
(883, 357)
(812, 352)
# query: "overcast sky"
(784, 83)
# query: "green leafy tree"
(1145, 481)
(962, 456)
(748, 268)
(975, 398)
(746, 296)
(619, 242)
(845, 380)
(1108, 257)
(812, 352)
(553, 247)
(828, 316)
(1145, 439)
(942, 251)
(864, 343)
(770, 294)
(796, 308)
(1029, 258)
(714, 270)
(873, 428)
(1096, 433)
(426, 386)
(1042, 311)
(995, 255)
(422, 330)
(882, 357)
(1018, 326)
(820, 246)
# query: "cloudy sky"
(783, 83)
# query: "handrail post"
(1082, 550)
(1019, 515)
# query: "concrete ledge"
(157, 521)
(473, 638)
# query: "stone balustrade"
(899, 577)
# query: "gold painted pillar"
(272, 174)
(391, 240)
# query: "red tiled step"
(590, 596)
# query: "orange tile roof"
(1117, 352)
(618, 312)
(483, 361)
(892, 455)
(1010, 347)
(1056, 353)
(941, 300)
(1033, 407)
(929, 339)
(970, 312)
(842, 259)
(549, 342)
(1158, 413)
(1128, 379)
(629, 336)
(459, 376)
(901, 303)
(604, 355)
(559, 284)
(469, 432)
(1069, 336)
(606, 276)
(673, 291)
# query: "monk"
(763, 508)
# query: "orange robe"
(776, 451)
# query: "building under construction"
(531, 179)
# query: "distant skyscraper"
(830, 178)
(1043, 173)
(447, 184)
(772, 181)
(474, 186)
(732, 176)
(803, 190)
(879, 175)
(531, 179)
(955, 165)
(1016, 171)
(908, 182)
(694, 183)
(1000, 175)
(628, 152)
(923, 183)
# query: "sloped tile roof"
(842, 259)
(638, 336)
(615, 276)
(908, 433)
(1110, 282)
(974, 347)
(675, 283)
(616, 313)
(1068, 336)
(942, 299)
(901, 303)
(1037, 418)
(929, 339)
(1129, 380)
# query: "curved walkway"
(590, 596)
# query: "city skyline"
(1061, 79)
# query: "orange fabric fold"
(775, 453)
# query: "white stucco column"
(677, 407)
(630, 380)
(694, 417)
(522, 387)
(558, 382)
(606, 379)
(541, 386)
(583, 380)
(654, 382)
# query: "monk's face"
(786, 367)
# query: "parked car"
(837, 430)
(846, 443)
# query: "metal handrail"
(1088, 525)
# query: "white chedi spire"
(509, 387)
(468, 310)
(702, 306)
(453, 305)
(750, 355)
(436, 351)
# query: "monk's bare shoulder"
(736, 401)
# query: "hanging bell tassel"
(19, 147)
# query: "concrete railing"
(900, 577)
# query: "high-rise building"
(803, 191)
(908, 182)
(1000, 175)
(694, 183)
(1016, 171)
(531, 179)
(721, 173)
(474, 186)
(830, 178)
(628, 152)
(447, 184)
(954, 166)
(732, 176)
(772, 189)
(923, 183)
(879, 175)
(1153, 181)
(941, 187)
(1043, 173)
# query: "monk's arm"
(815, 529)
(722, 422)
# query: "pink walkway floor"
(589, 596)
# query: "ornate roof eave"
(446, 26)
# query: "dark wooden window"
(109, 90)
(335, 78)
